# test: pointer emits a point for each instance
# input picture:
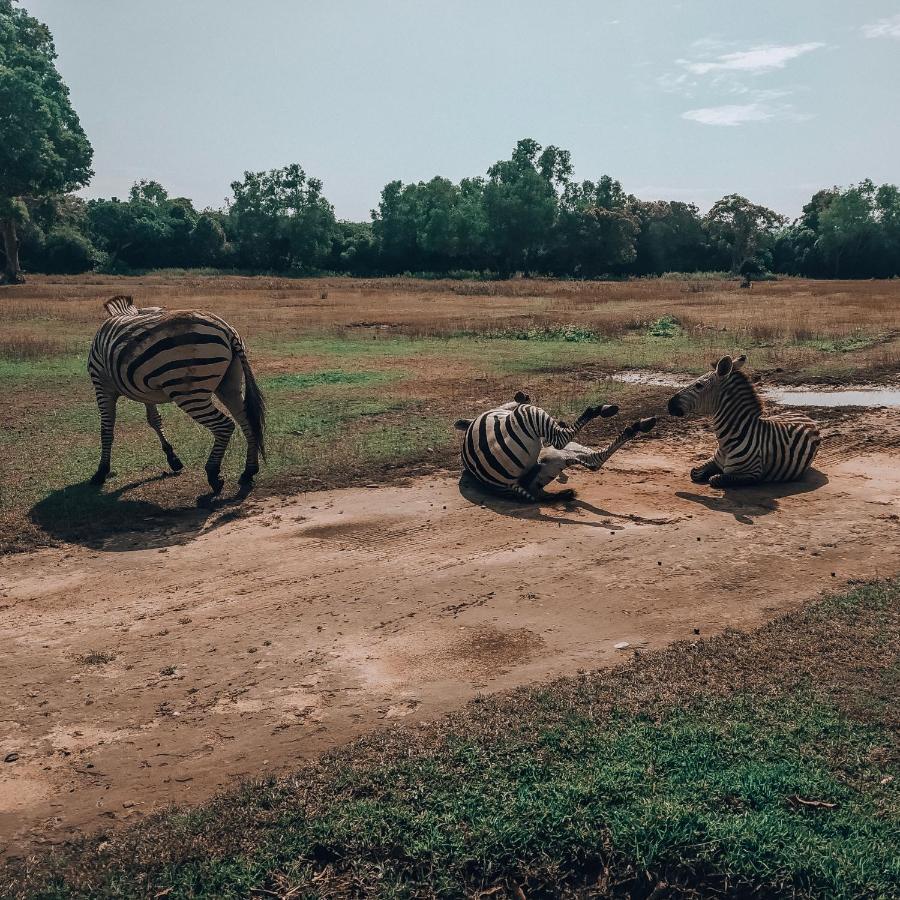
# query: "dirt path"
(281, 634)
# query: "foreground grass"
(762, 764)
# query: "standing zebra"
(518, 448)
(182, 357)
(752, 447)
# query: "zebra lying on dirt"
(518, 449)
(182, 357)
(752, 447)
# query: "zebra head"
(702, 397)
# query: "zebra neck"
(738, 406)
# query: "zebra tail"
(254, 402)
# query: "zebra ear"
(739, 361)
(120, 305)
(723, 367)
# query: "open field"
(364, 376)
(163, 650)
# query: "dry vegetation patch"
(365, 376)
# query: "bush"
(68, 252)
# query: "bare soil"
(163, 669)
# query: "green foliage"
(665, 327)
(280, 221)
(43, 149)
(740, 229)
(67, 251)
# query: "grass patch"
(664, 327)
(305, 380)
(96, 658)
(849, 344)
(571, 334)
(737, 765)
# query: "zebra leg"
(154, 420)
(106, 403)
(229, 392)
(531, 484)
(702, 474)
(199, 406)
(594, 460)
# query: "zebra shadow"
(516, 509)
(747, 504)
(110, 521)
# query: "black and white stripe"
(183, 357)
(752, 447)
(519, 448)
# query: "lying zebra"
(518, 449)
(752, 447)
(181, 357)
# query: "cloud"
(889, 27)
(733, 114)
(754, 60)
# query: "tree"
(280, 220)
(43, 150)
(596, 229)
(671, 238)
(741, 229)
(520, 203)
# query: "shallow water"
(851, 395)
(856, 395)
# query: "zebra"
(752, 447)
(183, 357)
(518, 448)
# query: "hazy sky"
(692, 100)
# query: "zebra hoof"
(564, 496)
(645, 425)
(608, 410)
(246, 478)
(216, 482)
(699, 475)
(522, 397)
(716, 481)
(99, 477)
(175, 464)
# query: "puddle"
(852, 395)
(855, 396)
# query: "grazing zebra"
(518, 448)
(182, 357)
(752, 447)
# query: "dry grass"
(420, 353)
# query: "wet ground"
(863, 395)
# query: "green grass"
(738, 765)
(301, 381)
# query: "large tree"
(742, 229)
(43, 149)
(280, 220)
(521, 198)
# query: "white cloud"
(733, 114)
(756, 59)
(889, 27)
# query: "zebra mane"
(120, 305)
(746, 387)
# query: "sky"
(689, 100)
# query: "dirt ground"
(163, 668)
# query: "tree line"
(526, 214)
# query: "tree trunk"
(12, 273)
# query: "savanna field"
(362, 681)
